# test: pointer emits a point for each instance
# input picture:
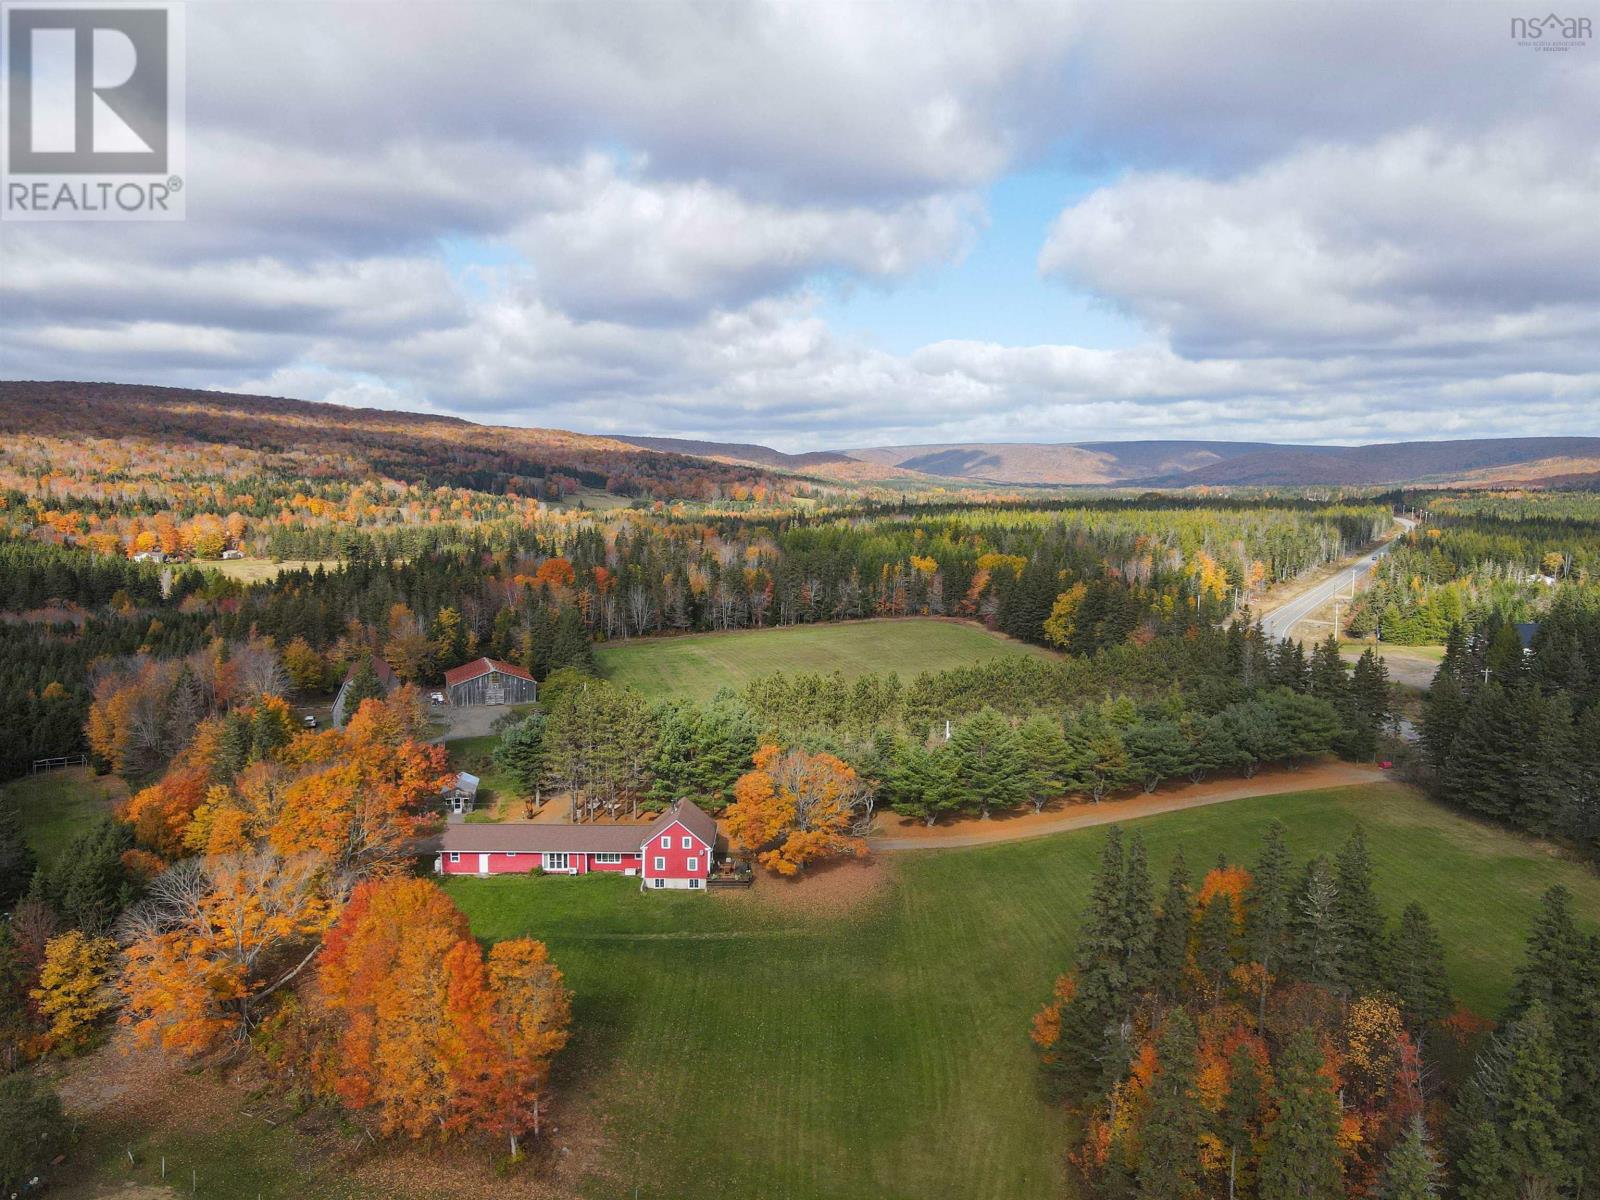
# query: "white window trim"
(688, 843)
(666, 841)
(614, 859)
(661, 863)
(694, 865)
(455, 856)
(551, 865)
(511, 853)
(661, 883)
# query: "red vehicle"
(1385, 765)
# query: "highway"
(1281, 621)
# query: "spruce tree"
(1316, 951)
(1093, 1054)
(1169, 1165)
(1360, 921)
(1214, 941)
(1269, 908)
(1443, 710)
(17, 861)
(1535, 1134)
(1484, 769)
(1416, 972)
(1410, 1169)
(1173, 925)
(1302, 1160)
(1239, 1122)
(1138, 920)
(88, 884)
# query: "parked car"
(1385, 765)
(308, 721)
(437, 697)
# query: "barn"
(673, 851)
(489, 681)
(387, 680)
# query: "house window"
(608, 858)
(661, 883)
(661, 863)
(454, 857)
(688, 843)
(666, 841)
(555, 862)
(694, 883)
(694, 865)
(511, 853)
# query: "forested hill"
(311, 441)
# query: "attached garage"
(489, 681)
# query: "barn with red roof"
(489, 681)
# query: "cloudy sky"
(819, 224)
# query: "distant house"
(462, 795)
(150, 556)
(673, 851)
(387, 679)
(233, 554)
(489, 681)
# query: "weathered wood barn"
(489, 681)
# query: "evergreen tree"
(1138, 919)
(1360, 921)
(990, 769)
(17, 861)
(1240, 1120)
(1093, 1051)
(36, 1131)
(1443, 710)
(1269, 904)
(1534, 1135)
(1302, 1160)
(1169, 1165)
(1157, 751)
(364, 685)
(1173, 924)
(1416, 972)
(1410, 1170)
(1316, 950)
(88, 885)
(1371, 705)
(1214, 941)
(1483, 772)
(520, 752)
(922, 782)
(1044, 755)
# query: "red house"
(673, 851)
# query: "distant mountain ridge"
(1166, 463)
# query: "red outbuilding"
(673, 851)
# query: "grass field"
(58, 805)
(254, 570)
(733, 1049)
(698, 664)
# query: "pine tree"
(990, 769)
(1360, 921)
(1169, 1165)
(1372, 704)
(1240, 1120)
(1410, 1170)
(1316, 950)
(1138, 919)
(1214, 941)
(1443, 710)
(1302, 1160)
(1173, 925)
(17, 861)
(364, 685)
(1044, 755)
(88, 885)
(1483, 772)
(1535, 1134)
(1093, 1050)
(1269, 908)
(1416, 972)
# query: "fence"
(55, 764)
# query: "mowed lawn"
(733, 1049)
(696, 665)
(56, 806)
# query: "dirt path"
(894, 832)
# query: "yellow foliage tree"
(795, 808)
(72, 994)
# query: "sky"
(819, 225)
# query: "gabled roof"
(527, 837)
(693, 818)
(381, 669)
(482, 666)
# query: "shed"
(387, 679)
(462, 795)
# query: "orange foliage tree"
(427, 1036)
(795, 808)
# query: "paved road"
(1281, 621)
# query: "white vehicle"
(308, 721)
(437, 697)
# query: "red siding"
(677, 855)
(511, 864)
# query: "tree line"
(1269, 1034)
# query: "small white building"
(463, 794)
